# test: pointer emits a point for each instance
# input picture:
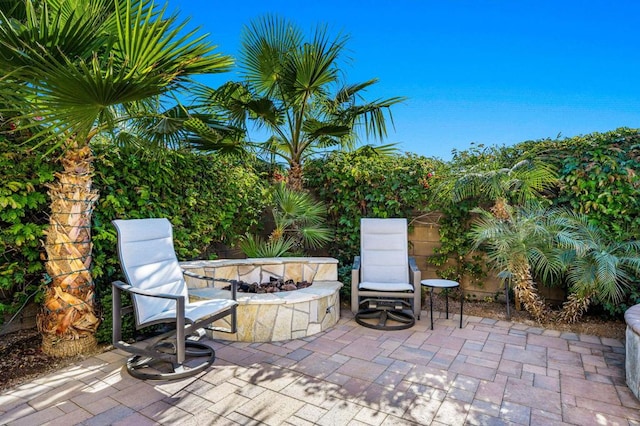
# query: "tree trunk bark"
(525, 290)
(575, 306)
(68, 321)
(294, 180)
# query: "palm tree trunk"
(68, 321)
(525, 290)
(575, 306)
(294, 180)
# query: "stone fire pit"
(632, 348)
(270, 317)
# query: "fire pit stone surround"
(277, 316)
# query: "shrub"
(364, 184)
(23, 219)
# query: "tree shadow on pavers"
(335, 392)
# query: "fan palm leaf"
(100, 59)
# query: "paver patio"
(487, 373)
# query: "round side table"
(444, 284)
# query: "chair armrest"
(415, 274)
(234, 283)
(355, 271)
(126, 287)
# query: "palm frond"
(74, 64)
(254, 246)
(382, 150)
(346, 94)
(265, 44)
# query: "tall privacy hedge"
(599, 175)
(363, 184)
(24, 173)
(213, 200)
(207, 198)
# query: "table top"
(440, 283)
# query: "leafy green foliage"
(364, 184)
(485, 182)
(453, 259)
(23, 218)
(212, 200)
(598, 176)
(601, 180)
(256, 246)
(299, 224)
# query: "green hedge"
(601, 178)
(598, 174)
(24, 173)
(213, 200)
(208, 199)
(364, 184)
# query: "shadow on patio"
(488, 372)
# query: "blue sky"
(488, 72)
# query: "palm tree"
(291, 87)
(299, 223)
(525, 182)
(497, 188)
(597, 269)
(527, 243)
(75, 69)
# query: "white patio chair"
(385, 281)
(158, 291)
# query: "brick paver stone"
(270, 408)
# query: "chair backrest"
(149, 262)
(384, 250)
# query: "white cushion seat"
(382, 286)
(196, 311)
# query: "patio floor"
(487, 373)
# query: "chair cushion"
(149, 262)
(384, 250)
(195, 311)
(385, 286)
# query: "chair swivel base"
(384, 314)
(149, 368)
